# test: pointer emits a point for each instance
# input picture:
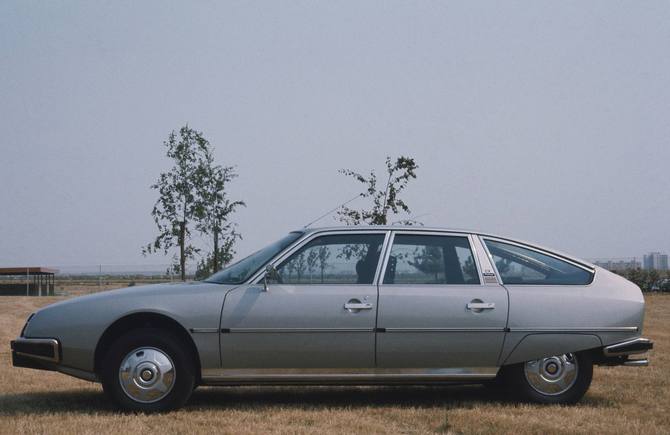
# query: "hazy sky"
(547, 121)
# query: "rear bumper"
(36, 353)
(619, 353)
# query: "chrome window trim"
(475, 258)
(382, 259)
(431, 233)
(380, 281)
(538, 250)
(290, 250)
(481, 249)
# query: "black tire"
(183, 382)
(517, 384)
(496, 386)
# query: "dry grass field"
(621, 400)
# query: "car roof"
(386, 227)
(396, 228)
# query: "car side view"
(352, 305)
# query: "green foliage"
(192, 195)
(323, 254)
(503, 265)
(216, 260)
(215, 213)
(384, 201)
(178, 201)
(647, 280)
(428, 260)
(469, 268)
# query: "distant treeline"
(647, 280)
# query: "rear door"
(436, 308)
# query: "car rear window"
(519, 265)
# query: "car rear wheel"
(147, 370)
(559, 379)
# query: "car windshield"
(239, 272)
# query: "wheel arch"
(144, 320)
(541, 345)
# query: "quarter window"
(425, 259)
(336, 259)
(518, 265)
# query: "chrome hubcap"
(147, 375)
(553, 375)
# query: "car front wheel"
(147, 370)
(559, 379)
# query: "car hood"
(143, 291)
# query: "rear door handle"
(357, 306)
(480, 305)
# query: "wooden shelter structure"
(27, 281)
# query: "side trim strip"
(204, 330)
(297, 330)
(445, 329)
(578, 329)
(391, 330)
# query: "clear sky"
(547, 121)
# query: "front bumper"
(36, 353)
(619, 353)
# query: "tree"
(300, 264)
(206, 266)
(214, 215)
(312, 259)
(653, 276)
(636, 276)
(469, 269)
(429, 261)
(180, 199)
(323, 256)
(384, 201)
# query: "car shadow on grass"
(65, 401)
(446, 397)
(343, 397)
(258, 398)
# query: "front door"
(434, 310)
(319, 315)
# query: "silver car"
(352, 305)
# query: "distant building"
(656, 261)
(621, 264)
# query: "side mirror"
(270, 274)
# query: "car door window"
(519, 265)
(427, 259)
(334, 259)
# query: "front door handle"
(357, 306)
(480, 306)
